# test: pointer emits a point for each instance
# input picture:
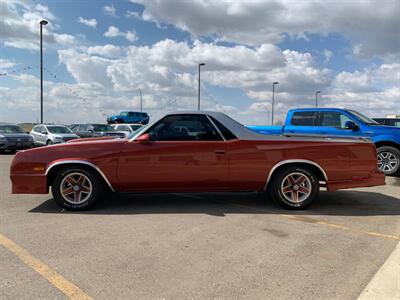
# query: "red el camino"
(196, 152)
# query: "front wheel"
(294, 187)
(389, 160)
(77, 188)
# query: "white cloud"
(113, 31)
(6, 63)
(19, 25)
(109, 51)
(327, 55)
(133, 14)
(88, 22)
(370, 25)
(109, 10)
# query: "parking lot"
(195, 246)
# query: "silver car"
(51, 134)
(127, 128)
(13, 138)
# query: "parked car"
(129, 117)
(51, 134)
(388, 121)
(343, 122)
(127, 128)
(13, 138)
(223, 156)
(95, 130)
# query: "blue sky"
(97, 65)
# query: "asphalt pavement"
(195, 246)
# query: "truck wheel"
(77, 188)
(389, 160)
(294, 187)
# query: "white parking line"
(385, 284)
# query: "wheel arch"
(53, 168)
(387, 143)
(313, 166)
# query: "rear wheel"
(77, 188)
(389, 160)
(294, 187)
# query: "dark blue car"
(343, 122)
(129, 117)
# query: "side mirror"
(351, 125)
(144, 139)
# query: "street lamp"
(43, 22)
(316, 98)
(273, 101)
(141, 100)
(198, 92)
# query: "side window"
(37, 129)
(334, 119)
(184, 128)
(304, 118)
(228, 135)
(130, 114)
(74, 127)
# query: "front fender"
(386, 138)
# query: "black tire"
(96, 184)
(390, 168)
(311, 183)
(49, 142)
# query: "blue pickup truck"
(343, 122)
(129, 117)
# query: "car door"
(35, 134)
(174, 161)
(40, 136)
(333, 123)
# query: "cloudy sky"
(98, 54)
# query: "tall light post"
(198, 91)
(316, 98)
(43, 22)
(273, 101)
(141, 100)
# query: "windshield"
(362, 118)
(102, 127)
(10, 129)
(133, 133)
(58, 129)
(135, 127)
(124, 113)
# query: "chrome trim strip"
(291, 161)
(215, 126)
(82, 162)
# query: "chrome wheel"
(296, 187)
(76, 188)
(387, 161)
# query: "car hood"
(15, 135)
(92, 139)
(381, 129)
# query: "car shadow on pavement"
(342, 203)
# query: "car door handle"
(220, 151)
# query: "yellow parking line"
(327, 224)
(65, 286)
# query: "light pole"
(141, 100)
(198, 91)
(43, 22)
(273, 101)
(316, 98)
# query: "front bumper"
(375, 179)
(16, 145)
(29, 184)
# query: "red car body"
(195, 166)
